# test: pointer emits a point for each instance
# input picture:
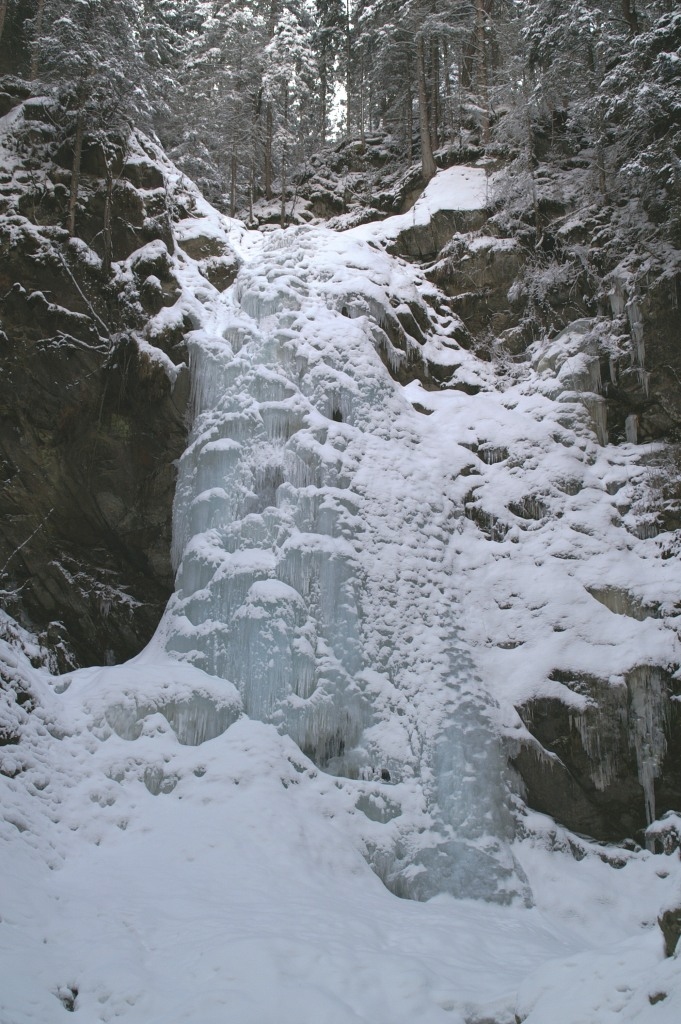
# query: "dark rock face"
(88, 442)
(661, 415)
(608, 769)
(427, 240)
(367, 179)
(216, 264)
(90, 421)
(477, 274)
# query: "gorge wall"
(95, 414)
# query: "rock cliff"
(95, 387)
(93, 410)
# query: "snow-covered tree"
(87, 51)
(288, 89)
(328, 38)
(642, 111)
(214, 130)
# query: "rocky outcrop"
(477, 271)
(643, 388)
(214, 261)
(670, 926)
(427, 241)
(92, 414)
(87, 449)
(607, 769)
(605, 764)
(360, 180)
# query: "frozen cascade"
(646, 688)
(311, 538)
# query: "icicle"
(618, 299)
(595, 381)
(647, 719)
(195, 720)
(599, 415)
(631, 428)
(643, 379)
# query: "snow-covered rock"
(365, 596)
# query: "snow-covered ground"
(355, 569)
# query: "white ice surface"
(224, 879)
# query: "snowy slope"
(355, 569)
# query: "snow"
(457, 188)
(185, 838)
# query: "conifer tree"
(216, 98)
(288, 84)
(327, 40)
(87, 51)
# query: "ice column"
(311, 538)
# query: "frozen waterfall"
(312, 541)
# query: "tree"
(167, 30)
(86, 50)
(218, 99)
(288, 89)
(328, 37)
(642, 110)
(428, 167)
(407, 44)
(37, 35)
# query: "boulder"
(670, 925)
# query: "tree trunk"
(447, 117)
(531, 161)
(269, 119)
(269, 130)
(282, 212)
(631, 16)
(460, 103)
(370, 101)
(428, 168)
(232, 185)
(283, 160)
(348, 54)
(599, 142)
(481, 63)
(361, 97)
(3, 12)
(601, 165)
(323, 90)
(409, 124)
(75, 174)
(434, 92)
(409, 112)
(272, 19)
(40, 10)
(106, 231)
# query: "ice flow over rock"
(312, 543)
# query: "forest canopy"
(243, 92)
